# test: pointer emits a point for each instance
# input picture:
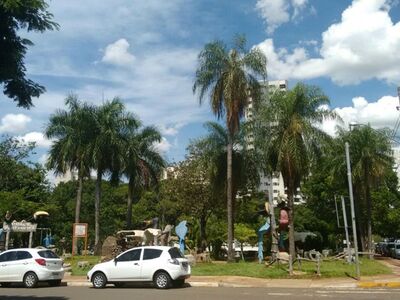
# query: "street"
(192, 293)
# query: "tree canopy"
(31, 15)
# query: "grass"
(329, 269)
(77, 271)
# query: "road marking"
(279, 294)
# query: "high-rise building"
(270, 184)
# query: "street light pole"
(353, 216)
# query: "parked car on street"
(30, 266)
(395, 251)
(162, 265)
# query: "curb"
(371, 284)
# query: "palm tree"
(228, 77)
(294, 141)
(371, 158)
(111, 132)
(72, 132)
(142, 163)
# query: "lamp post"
(353, 216)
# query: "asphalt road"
(191, 293)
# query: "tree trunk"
(79, 198)
(203, 237)
(274, 246)
(97, 213)
(369, 218)
(130, 201)
(78, 205)
(291, 190)
(231, 250)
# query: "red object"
(283, 218)
(41, 261)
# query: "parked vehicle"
(30, 266)
(395, 251)
(164, 266)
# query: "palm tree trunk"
(274, 239)
(130, 201)
(203, 238)
(369, 224)
(292, 250)
(97, 213)
(231, 252)
(78, 207)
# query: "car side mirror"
(115, 260)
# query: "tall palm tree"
(142, 163)
(293, 139)
(72, 132)
(228, 77)
(111, 132)
(371, 158)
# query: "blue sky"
(145, 53)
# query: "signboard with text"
(19, 227)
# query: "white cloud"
(278, 12)
(362, 46)
(117, 54)
(37, 137)
(14, 123)
(163, 146)
(170, 129)
(380, 114)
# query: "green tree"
(371, 162)
(142, 163)
(293, 143)
(31, 15)
(113, 127)
(72, 132)
(228, 77)
(245, 234)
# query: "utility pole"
(353, 216)
(349, 258)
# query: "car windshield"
(175, 253)
(47, 254)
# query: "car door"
(126, 266)
(22, 264)
(150, 262)
(8, 266)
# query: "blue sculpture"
(261, 231)
(181, 231)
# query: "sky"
(145, 52)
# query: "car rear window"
(151, 253)
(47, 254)
(175, 253)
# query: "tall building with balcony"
(270, 184)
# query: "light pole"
(353, 216)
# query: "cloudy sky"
(145, 53)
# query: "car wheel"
(162, 280)
(178, 283)
(55, 282)
(119, 284)
(99, 280)
(30, 280)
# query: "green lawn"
(252, 269)
(328, 269)
(82, 271)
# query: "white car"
(29, 266)
(162, 265)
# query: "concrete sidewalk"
(390, 281)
